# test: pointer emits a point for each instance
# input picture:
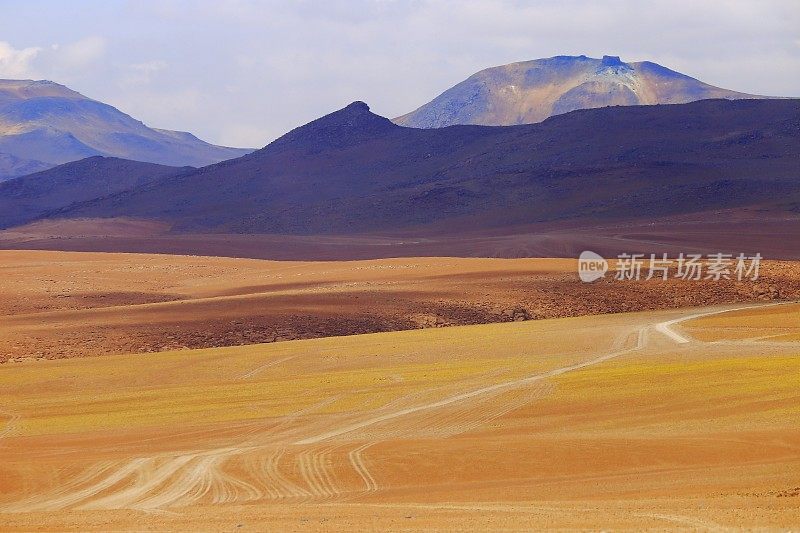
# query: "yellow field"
(605, 421)
(773, 323)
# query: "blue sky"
(244, 72)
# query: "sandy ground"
(626, 421)
(68, 304)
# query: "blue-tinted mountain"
(531, 91)
(44, 124)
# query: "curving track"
(311, 457)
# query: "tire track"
(692, 522)
(265, 366)
(640, 343)
(324, 464)
(278, 484)
(358, 464)
(64, 500)
(12, 423)
(310, 474)
(228, 488)
(666, 327)
(151, 483)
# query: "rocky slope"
(531, 91)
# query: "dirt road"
(562, 413)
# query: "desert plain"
(162, 392)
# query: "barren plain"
(70, 304)
(680, 418)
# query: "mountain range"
(355, 172)
(531, 91)
(44, 124)
(587, 157)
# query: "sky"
(241, 73)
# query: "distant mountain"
(531, 91)
(11, 166)
(44, 124)
(29, 197)
(355, 172)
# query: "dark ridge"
(611, 61)
(30, 197)
(355, 172)
(350, 125)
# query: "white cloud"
(143, 73)
(16, 63)
(57, 61)
(81, 53)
